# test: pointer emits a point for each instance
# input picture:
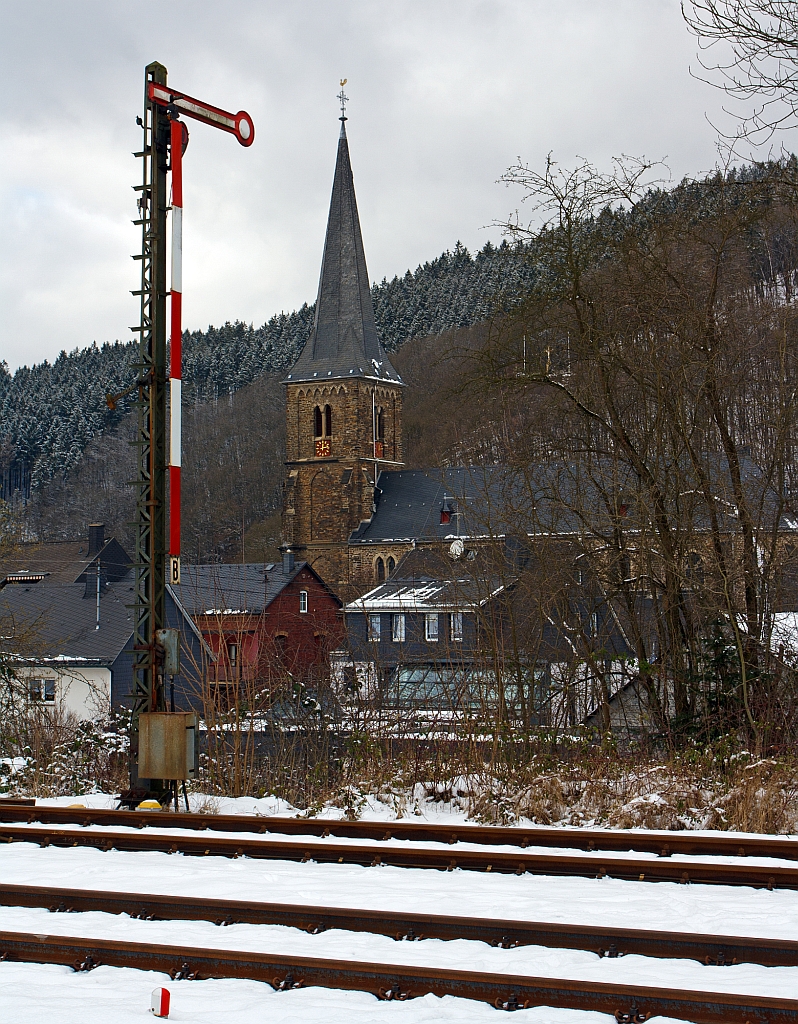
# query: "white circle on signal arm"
(456, 548)
(244, 128)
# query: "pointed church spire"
(343, 342)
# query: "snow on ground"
(49, 995)
(713, 909)
(458, 954)
(46, 994)
(424, 809)
(730, 910)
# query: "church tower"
(343, 401)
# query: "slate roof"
(344, 341)
(409, 503)
(558, 499)
(234, 589)
(65, 562)
(60, 621)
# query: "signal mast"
(157, 559)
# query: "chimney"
(96, 538)
(288, 560)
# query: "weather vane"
(343, 98)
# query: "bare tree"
(649, 372)
(758, 43)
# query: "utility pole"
(157, 557)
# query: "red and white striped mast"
(179, 137)
(242, 127)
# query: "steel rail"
(623, 840)
(718, 950)
(629, 1003)
(576, 865)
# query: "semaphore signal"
(158, 553)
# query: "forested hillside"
(51, 411)
(233, 452)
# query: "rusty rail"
(605, 942)
(590, 866)
(391, 981)
(623, 840)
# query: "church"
(350, 509)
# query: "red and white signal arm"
(159, 1002)
(241, 124)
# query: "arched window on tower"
(322, 431)
(379, 570)
(391, 565)
(379, 433)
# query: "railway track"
(592, 865)
(629, 1003)
(663, 844)
(605, 942)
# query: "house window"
(303, 601)
(232, 654)
(374, 627)
(42, 691)
(398, 628)
(431, 627)
(379, 570)
(456, 626)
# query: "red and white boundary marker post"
(159, 1002)
(242, 127)
(176, 353)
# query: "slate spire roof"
(344, 341)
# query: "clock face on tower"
(323, 448)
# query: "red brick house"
(267, 626)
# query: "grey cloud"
(443, 97)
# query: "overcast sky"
(444, 95)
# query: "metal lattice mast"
(165, 137)
(150, 565)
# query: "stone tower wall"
(326, 498)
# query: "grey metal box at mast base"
(169, 744)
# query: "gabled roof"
(343, 342)
(59, 622)
(63, 562)
(238, 588)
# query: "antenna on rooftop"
(343, 98)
